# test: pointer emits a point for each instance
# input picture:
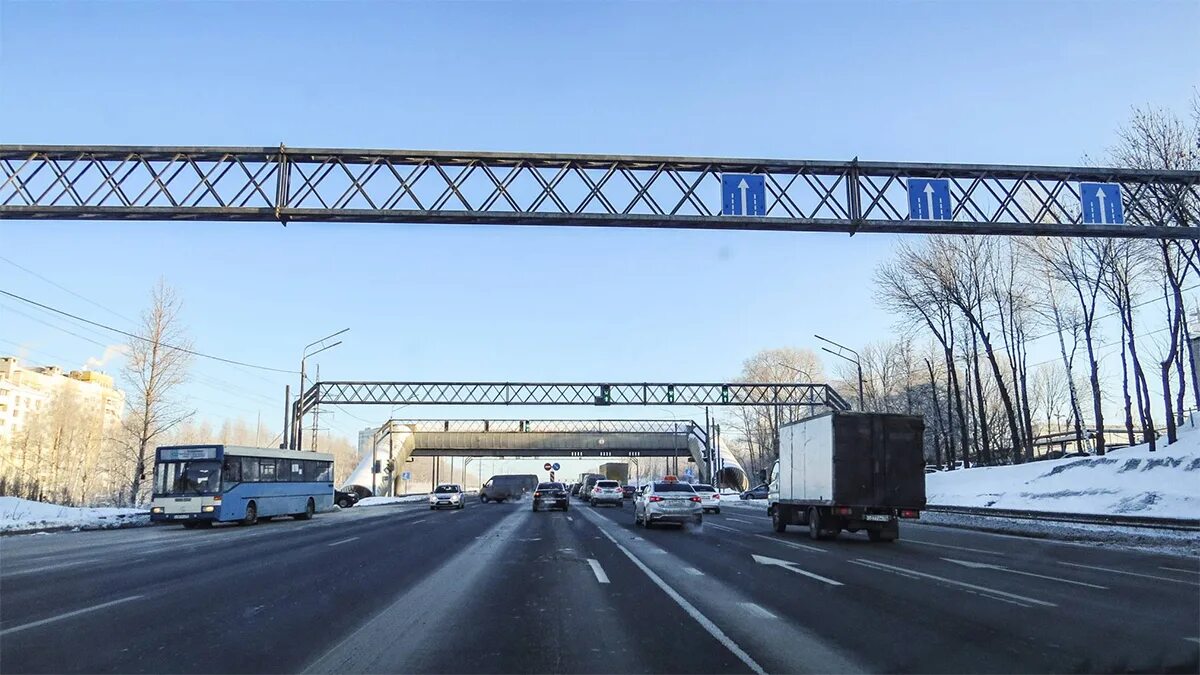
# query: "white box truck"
(849, 471)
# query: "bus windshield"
(196, 477)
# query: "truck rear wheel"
(814, 523)
(779, 520)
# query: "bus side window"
(326, 472)
(231, 471)
(266, 470)
(249, 469)
(297, 471)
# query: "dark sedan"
(630, 491)
(550, 496)
(345, 499)
(757, 492)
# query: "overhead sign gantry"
(406, 186)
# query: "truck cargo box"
(853, 459)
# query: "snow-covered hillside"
(18, 515)
(1130, 481)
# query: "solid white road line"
(1179, 569)
(953, 582)
(68, 615)
(419, 520)
(693, 571)
(1132, 574)
(1192, 639)
(691, 610)
(757, 610)
(739, 520)
(803, 547)
(598, 570)
(344, 541)
(956, 548)
(1002, 568)
(722, 527)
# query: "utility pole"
(287, 416)
(298, 440)
(316, 413)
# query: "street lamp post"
(297, 434)
(857, 361)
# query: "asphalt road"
(497, 588)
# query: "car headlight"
(208, 509)
(156, 509)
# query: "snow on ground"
(23, 515)
(1131, 481)
(384, 501)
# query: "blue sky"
(1019, 82)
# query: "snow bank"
(21, 515)
(1129, 481)
(384, 501)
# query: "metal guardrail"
(1187, 524)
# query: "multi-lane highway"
(498, 588)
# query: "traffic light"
(391, 465)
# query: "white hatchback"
(447, 495)
(668, 501)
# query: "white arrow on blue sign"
(407, 475)
(1101, 204)
(929, 199)
(556, 466)
(743, 194)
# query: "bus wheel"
(251, 514)
(309, 510)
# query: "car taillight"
(910, 513)
(715, 496)
(537, 494)
(841, 510)
(655, 498)
(694, 499)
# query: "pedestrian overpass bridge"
(397, 442)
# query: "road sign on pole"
(929, 199)
(1101, 204)
(743, 194)
(556, 467)
(407, 475)
(547, 466)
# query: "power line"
(64, 288)
(147, 340)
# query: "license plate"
(877, 516)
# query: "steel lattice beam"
(566, 393)
(296, 184)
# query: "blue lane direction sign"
(556, 466)
(743, 194)
(929, 199)
(407, 475)
(1101, 204)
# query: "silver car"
(447, 495)
(607, 492)
(668, 501)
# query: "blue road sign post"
(929, 199)
(743, 194)
(407, 475)
(556, 466)
(1101, 204)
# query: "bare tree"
(157, 363)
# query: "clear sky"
(1015, 82)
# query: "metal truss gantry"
(401, 186)
(570, 393)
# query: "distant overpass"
(396, 441)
